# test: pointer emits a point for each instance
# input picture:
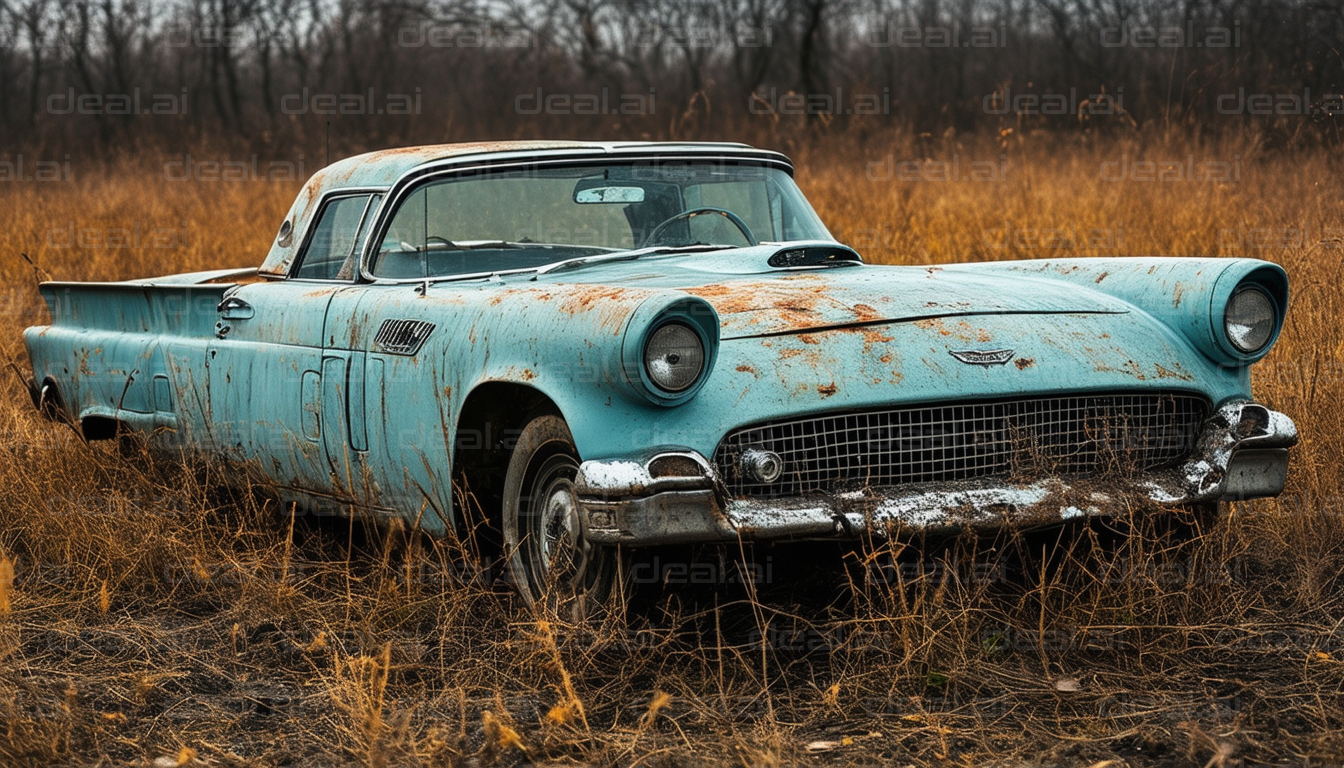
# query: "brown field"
(147, 615)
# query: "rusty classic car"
(618, 345)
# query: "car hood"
(754, 300)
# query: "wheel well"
(491, 419)
(99, 427)
(47, 399)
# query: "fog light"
(761, 466)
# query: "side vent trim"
(402, 337)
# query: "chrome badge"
(985, 357)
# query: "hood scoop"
(809, 256)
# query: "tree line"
(333, 76)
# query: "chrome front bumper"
(677, 497)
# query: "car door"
(343, 398)
(391, 453)
(274, 397)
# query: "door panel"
(343, 399)
(397, 405)
(263, 375)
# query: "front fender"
(1185, 294)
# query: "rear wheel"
(549, 559)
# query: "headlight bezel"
(1272, 283)
(693, 312)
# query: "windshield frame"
(414, 179)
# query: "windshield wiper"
(584, 261)
(472, 245)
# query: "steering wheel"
(692, 213)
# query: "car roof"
(382, 168)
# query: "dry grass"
(148, 616)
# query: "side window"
(332, 245)
(402, 252)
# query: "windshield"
(496, 221)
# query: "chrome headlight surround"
(1270, 282)
(693, 313)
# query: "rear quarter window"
(331, 252)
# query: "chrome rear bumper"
(677, 497)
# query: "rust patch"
(826, 390)
(866, 314)
(873, 336)
(808, 338)
(1180, 291)
(1167, 373)
(528, 374)
(583, 299)
(755, 296)
(613, 304)
(1133, 369)
(711, 291)
(981, 335)
(1024, 363)
(933, 324)
(794, 300)
(1101, 277)
(746, 369)
(885, 358)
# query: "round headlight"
(674, 357)
(1249, 319)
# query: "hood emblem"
(985, 357)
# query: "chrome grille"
(1051, 436)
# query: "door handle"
(234, 308)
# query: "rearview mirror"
(609, 195)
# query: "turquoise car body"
(364, 395)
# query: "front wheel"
(549, 560)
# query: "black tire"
(548, 560)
